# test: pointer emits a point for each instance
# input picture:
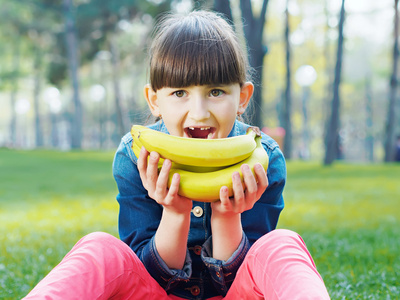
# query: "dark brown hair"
(198, 49)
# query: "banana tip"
(255, 129)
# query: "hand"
(156, 183)
(244, 197)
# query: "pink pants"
(100, 266)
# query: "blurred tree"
(29, 23)
(37, 69)
(73, 65)
(98, 24)
(92, 26)
(391, 113)
(328, 68)
(369, 139)
(253, 28)
(14, 30)
(332, 134)
(224, 7)
(287, 106)
(14, 90)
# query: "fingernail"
(167, 163)
(246, 168)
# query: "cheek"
(228, 111)
(173, 118)
(226, 116)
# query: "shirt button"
(195, 290)
(197, 250)
(197, 211)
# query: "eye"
(216, 93)
(180, 93)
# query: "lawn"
(348, 215)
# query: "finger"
(142, 165)
(226, 202)
(152, 170)
(172, 192)
(249, 181)
(174, 187)
(238, 190)
(262, 179)
(162, 181)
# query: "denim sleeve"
(224, 272)
(263, 217)
(139, 217)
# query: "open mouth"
(200, 132)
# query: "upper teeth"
(201, 128)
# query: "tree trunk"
(329, 70)
(287, 107)
(391, 114)
(123, 122)
(36, 97)
(253, 30)
(332, 134)
(369, 139)
(223, 7)
(73, 64)
(13, 94)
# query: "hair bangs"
(198, 53)
(196, 63)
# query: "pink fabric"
(278, 266)
(100, 266)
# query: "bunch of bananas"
(204, 165)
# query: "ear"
(246, 92)
(151, 98)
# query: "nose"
(198, 109)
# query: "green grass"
(348, 216)
(48, 200)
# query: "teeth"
(201, 128)
(209, 136)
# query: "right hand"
(156, 183)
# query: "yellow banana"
(136, 146)
(206, 186)
(196, 152)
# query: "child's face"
(199, 111)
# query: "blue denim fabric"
(202, 276)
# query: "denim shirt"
(202, 276)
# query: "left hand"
(245, 197)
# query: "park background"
(71, 82)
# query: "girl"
(173, 247)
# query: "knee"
(101, 242)
(282, 235)
(101, 238)
(286, 232)
(278, 238)
(101, 246)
